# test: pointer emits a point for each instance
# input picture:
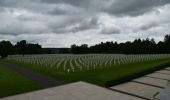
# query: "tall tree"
(6, 48)
(167, 43)
(22, 47)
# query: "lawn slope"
(12, 83)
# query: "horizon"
(92, 44)
(61, 23)
(88, 44)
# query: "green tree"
(22, 47)
(6, 48)
(167, 43)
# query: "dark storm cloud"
(111, 30)
(81, 3)
(65, 9)
(75, 20)
(73, 24)
(115, 7)
(86, 25)
(134, 7)
(148, 26)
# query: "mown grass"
(103, 76)
(12, 83)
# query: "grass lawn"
(12, 83)
(105, 76)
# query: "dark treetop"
(138, 46)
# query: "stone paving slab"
(152, 81)
(165, 94)
(164, 71)
(138, 89)
(159, 75)
(74, 91)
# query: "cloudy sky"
(60, 23)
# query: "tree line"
(138, 46)
(22, 47)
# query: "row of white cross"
(71, 63)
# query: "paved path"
(147, 86)
(43, 80)
(74, 91)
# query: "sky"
(61, 23)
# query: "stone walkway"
(74, 91)
(144, 88)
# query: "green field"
(116, 70)
(12, 83)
